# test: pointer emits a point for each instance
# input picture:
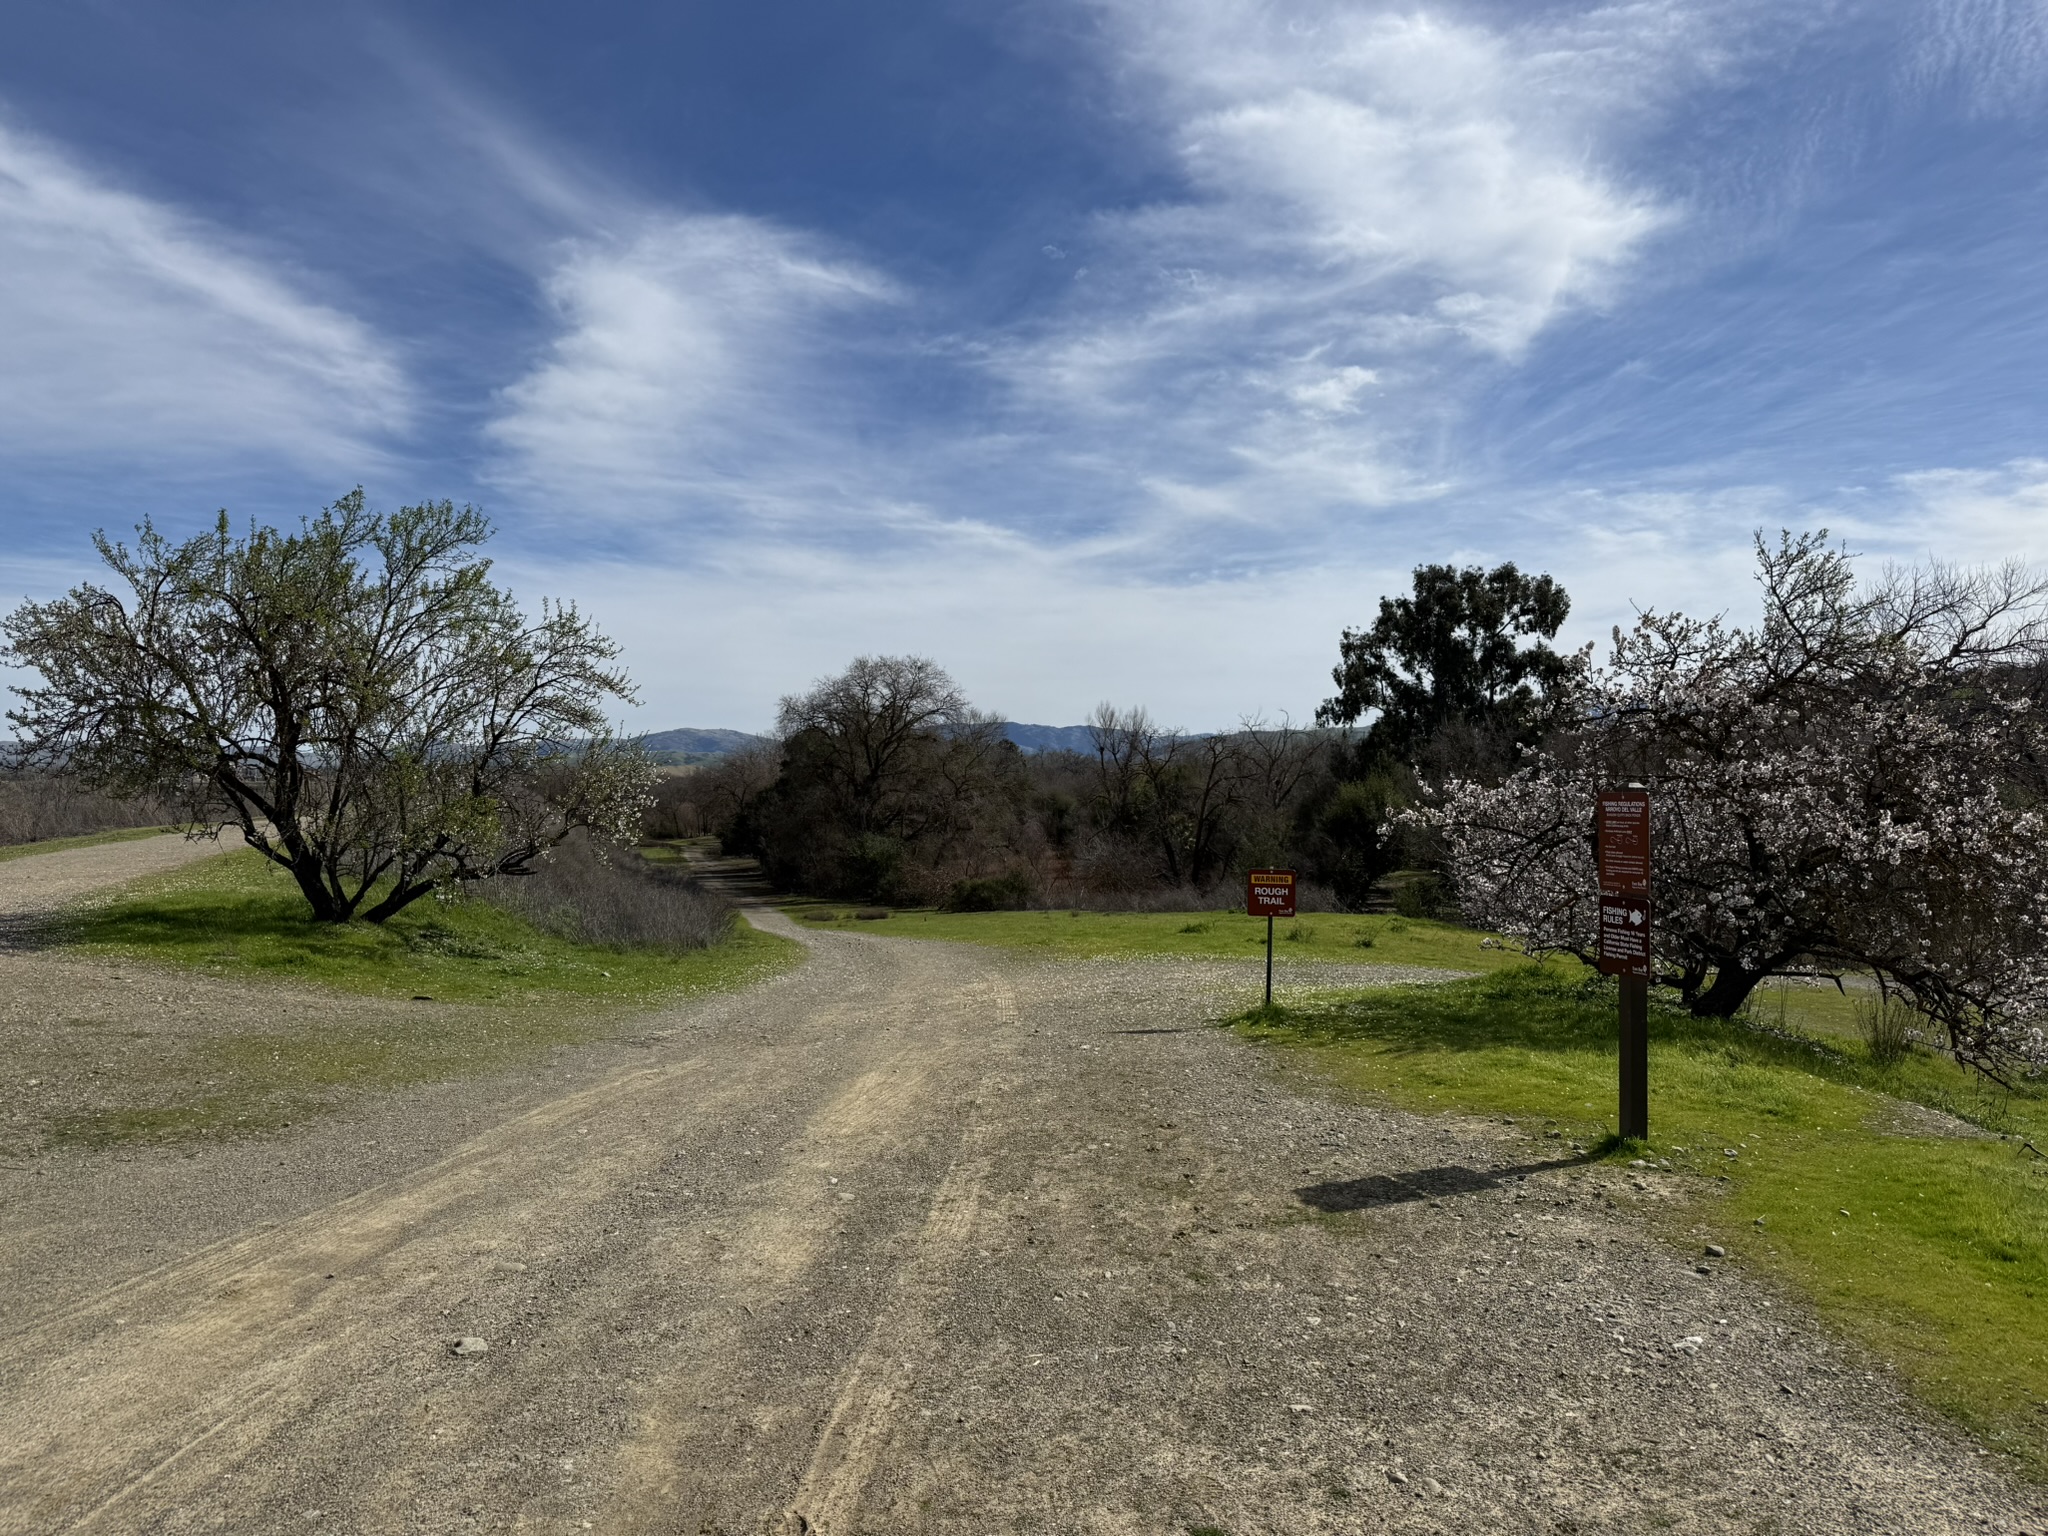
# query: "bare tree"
(884, 767)
(357, 698)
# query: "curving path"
(921, 1239)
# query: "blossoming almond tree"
(1852, 783)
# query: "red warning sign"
(1269, 893)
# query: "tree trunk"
(401, 897)
(306, 870)
(1729, 990)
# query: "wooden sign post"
(1624, 860)
(1269, 893)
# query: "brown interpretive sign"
(1625, 842)
(1622, 857)
(1269, 893)
(1624, 935)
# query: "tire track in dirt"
(923, 1239)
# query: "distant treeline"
(885, 783)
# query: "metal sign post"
(1269, 893)
(1624, 862)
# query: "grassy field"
(89, 840)
(1932, 1249)
(1328, 937)
(239, 915)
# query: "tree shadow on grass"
(1421, 1184)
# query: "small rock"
(1845, 1213)
(1300, 1408)
(1433, 1486)
(1396, 1475)
(1716, 1251)
(468, 1346)
(1689, 1345)
(1730, 1152)
(1701, 1269)
(1639, 1163)
(1555, 1135)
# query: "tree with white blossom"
(1853, 783)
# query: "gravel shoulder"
(919, 1238)
(42, 882)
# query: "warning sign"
(1269, 893)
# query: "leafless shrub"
(35, 807)
(620, 900)
(1887, 1024)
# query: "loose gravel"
(923, 1238)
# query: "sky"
(1117, 350)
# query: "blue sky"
(1119, 349)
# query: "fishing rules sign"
(1624, 862)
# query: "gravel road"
(920, 1238)
(43, 882)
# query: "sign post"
(1269, 893)
(1624, 863)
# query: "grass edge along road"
(1328, 937)
(239, 919)
(1930, 1249)
(240, 916)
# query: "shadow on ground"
(1421, 1184)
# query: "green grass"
(239, 915)
(1326, 937)
(524, 992)
(88, 840)
(1941, 1265)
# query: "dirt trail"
(41, 882)
(920, 1238)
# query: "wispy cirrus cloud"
(1378, 207)
(134, 332)
(699, 371)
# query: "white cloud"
(1972, 516)
(1381, 210)
(695, 363)
(130, 331)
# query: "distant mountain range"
(1049, 738)
(700, 741)
(696, 741)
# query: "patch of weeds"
(1194, 928)
(1300, 933)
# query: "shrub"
(35, 807)
(1420, 896)
(993, 893)
(619, 899)
(1887, 1025)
